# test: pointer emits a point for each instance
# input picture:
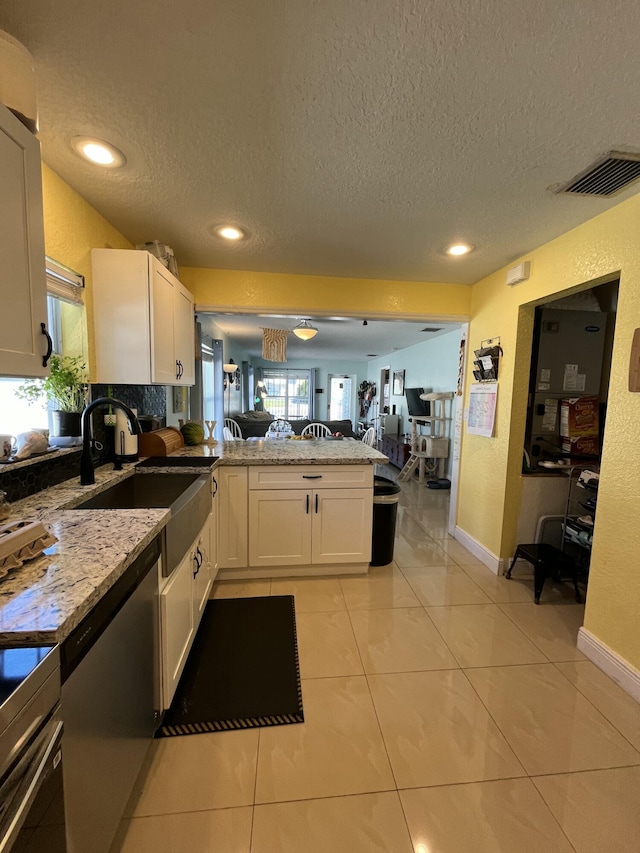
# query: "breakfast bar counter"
(45, 599)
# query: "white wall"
(432, 365)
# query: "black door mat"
(242, 671)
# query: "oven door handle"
(35, 767)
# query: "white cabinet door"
(184, 335)
(341, 526)
(22, 283)
(232, 517)
(163, 361)
(280, 527)
(176, 612)
(201, 570)
(213, 529)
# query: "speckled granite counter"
(288, 452)
(46, 598)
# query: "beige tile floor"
(444, 713)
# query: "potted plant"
(65, 391)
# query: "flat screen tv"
(415, 406)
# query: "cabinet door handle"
(181, 368)
(47, 355)
(316, 502)
(214, 487)
(307, 504)
(312, 476)
(197, 569)
(177, 369)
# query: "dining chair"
(228, 435)
(317, 430)
(233, 427)
(369, 437)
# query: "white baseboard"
(490, 560)
(616, 667)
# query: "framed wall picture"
(398, 382)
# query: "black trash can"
(386, 495)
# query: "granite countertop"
(46, 598)
(284, 451)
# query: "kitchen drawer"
(316, 477)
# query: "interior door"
(341, 397)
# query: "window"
(289, 393)
(67, 327)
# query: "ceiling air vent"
(606, 176)
(431, 329)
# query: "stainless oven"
(31, 791)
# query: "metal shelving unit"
(579, 517)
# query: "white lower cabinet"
(289, 527)
(341, 526)
(182, 602)
(287, 520)
(232, 517)
(280, 528)
(202, 571)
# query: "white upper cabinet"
(183, 335)
(143, 319)
(23, 337)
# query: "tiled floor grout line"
(522, 631)
(384, 742)
(502, 734)
(373, 704)
(594, 706)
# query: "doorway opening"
(341, 397)
(566, 409)
(570, 360)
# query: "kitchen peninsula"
(47, 598)
(295, 508)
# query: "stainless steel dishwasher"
(110, 703)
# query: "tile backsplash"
(31, 476)
(146, 399)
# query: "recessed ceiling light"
(457, 249)
(98, 151)
(230, 232)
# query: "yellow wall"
(71, 229)
(239, 290)
(490, 467)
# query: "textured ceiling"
(353, 139)
(338, 338)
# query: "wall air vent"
(431, 329)
(606, 176)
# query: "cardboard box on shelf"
(583, 445)
(579, 416)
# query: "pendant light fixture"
(305, 331)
